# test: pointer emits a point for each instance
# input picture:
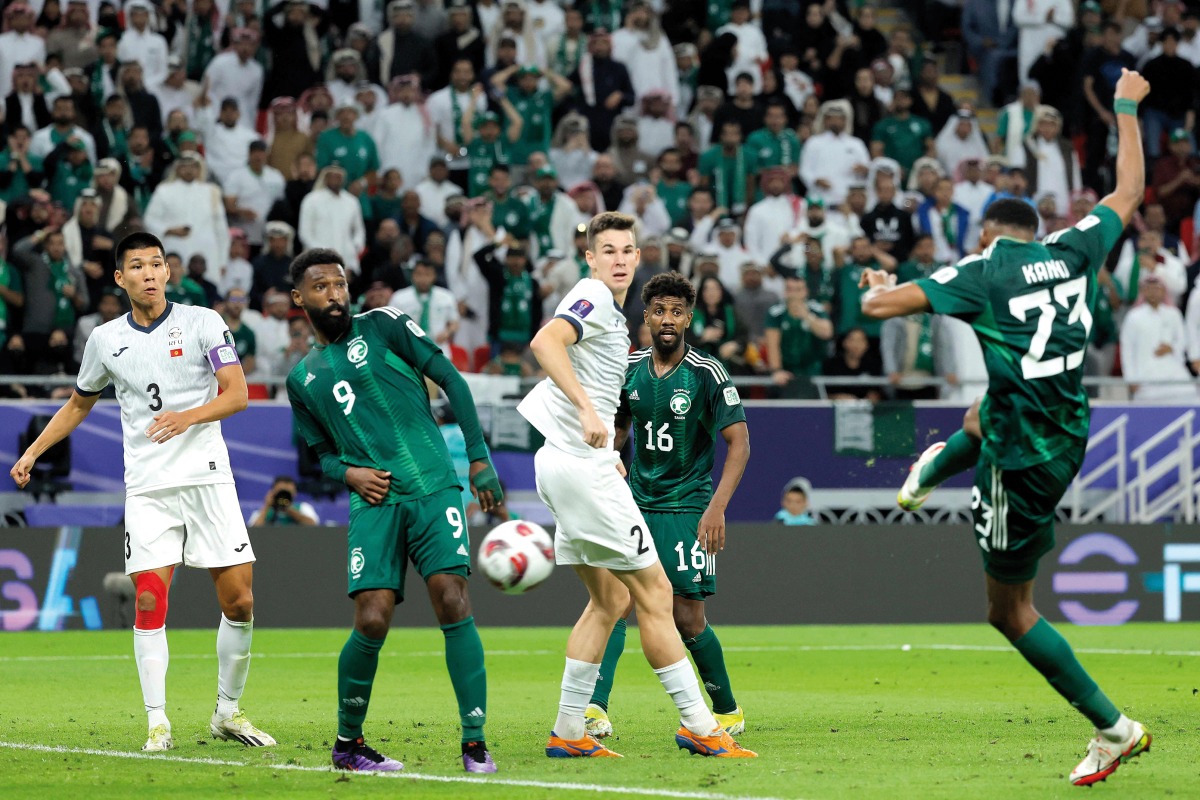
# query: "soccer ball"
(516, 556)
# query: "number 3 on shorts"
(454, 517)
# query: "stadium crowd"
(451, 150)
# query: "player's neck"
(145, 315)
(665, 362)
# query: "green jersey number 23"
(1071, 295)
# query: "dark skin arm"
(712, 524)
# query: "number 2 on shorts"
(641, 537)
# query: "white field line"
(831, 648)
(412, 776)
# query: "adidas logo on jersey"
(476, 712)
(634, 396)
(309, 379)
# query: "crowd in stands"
(451, 152)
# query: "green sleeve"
(1088, 244)
(1002, 126)
(724, 404)
(705, 165)
(15, 281)
(442, 372)
(314, 434)
(773, 315)
(372, 154)
(404, 336)
(959, 291)
(751, 161)
(252, 342)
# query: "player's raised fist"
(20, 471)
(1131, 86)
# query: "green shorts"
(693, 572)
(1013, 512)
(431, 531)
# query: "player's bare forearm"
(550, 349)
(65, 420)
(737, 443)
(621, 424)
(1131, 168)
(885, 301)
(234, 397)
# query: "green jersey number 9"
(344, 395)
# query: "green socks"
(710, 662)
(1049, 653)
(356, 674)
(608, 665)
(464, 661)
(960, 454)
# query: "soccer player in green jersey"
(1030, 304)
(675, 399)
(360, 400)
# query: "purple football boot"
(476, 758)
(359, 757)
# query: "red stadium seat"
(1187, 235)
(258, 391)
(460, 358)
(482, 356)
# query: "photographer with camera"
(281, 508)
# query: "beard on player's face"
(332, 319)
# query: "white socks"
(680, 682)
(579, 680)
(1119, 732)
(233, 663)
(150, 653)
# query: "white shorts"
(598, 523)
(198, 526)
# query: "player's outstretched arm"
(885, 299)
(1130, 191)
(65, 420)
(232, 399)
(550, 348)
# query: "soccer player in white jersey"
(166, 362)
(600, 531)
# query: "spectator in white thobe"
(1051, 161)
(770, 219)
(409, 135)
(234, 73)
(251, 191)
(833, 159)
(18, 44)
(1153, 348)
(176, 93)
(188, 214)
(435, 189)
(751, 44)
(332, 217)
(226, 143)
(1039, 21)
(141, 43)
(435, 309)
(1147, 255)
(646, 53)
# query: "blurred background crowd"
(452, 150)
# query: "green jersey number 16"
(1033, 363)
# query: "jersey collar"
(153, 325)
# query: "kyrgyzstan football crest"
(680, 403)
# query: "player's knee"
(1006, 618)
(689, 623)
(240, 608)
(372, 623)
(450, 604)
(151, 602)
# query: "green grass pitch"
(835, 712)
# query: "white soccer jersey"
(168, 366)
(599, 358)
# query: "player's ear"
(296, 299)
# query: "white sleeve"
(216, 342)
(93, 376)
(585, 308)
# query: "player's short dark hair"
(139, 240)
(499, 168)
(1012, 212)
(312, 258)
(283, 479)
(1111, 25)
(609, 221)
(920, 237)
(669, 284)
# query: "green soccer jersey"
(801, 351)
(356, 153)
(364, 398)
(774, 149)
(1031, 306)
(903, 139)
(675, 197)
(675, 420)
(535, 110)
(511, 214)
(482, 156)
